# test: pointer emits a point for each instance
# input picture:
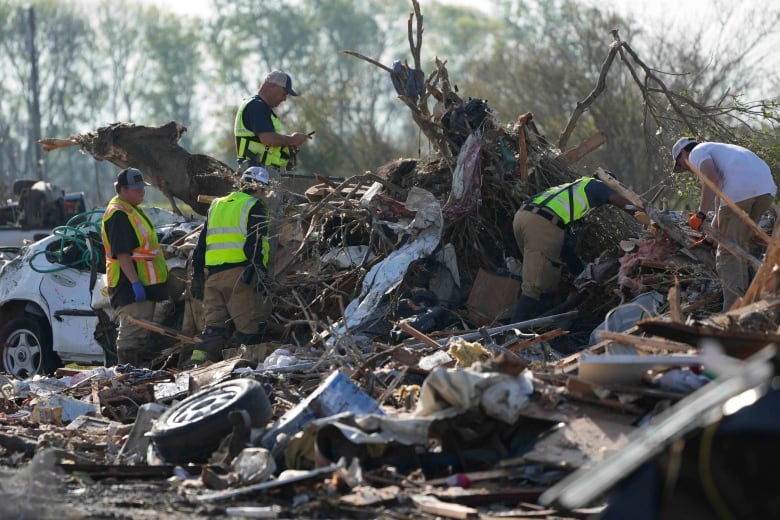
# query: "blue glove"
(140, 292)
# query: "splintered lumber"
(735, 343)
(521, 144)
(766, 280)
(730, 246)
(609, 180)
(418, 335)
(162, 329)
(434, 506)
(584, 148)
(645, 344)
(546, 336)
(673, 297)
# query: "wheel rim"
(205, 404)
(22, 355)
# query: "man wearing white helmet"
(233, 249)
(744, 178)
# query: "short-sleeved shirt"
(744, 174)
(598, 193)
(124, 240)
(257, 116)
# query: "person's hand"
(299, 138)
(642, 217)
(696, 220)
(196, 286)
(139, 291)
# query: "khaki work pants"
(541, 242)
(227, 299)
(131, 337)
(732, 270)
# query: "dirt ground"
(42, 491)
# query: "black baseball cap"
(132, 178)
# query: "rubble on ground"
(391, 385)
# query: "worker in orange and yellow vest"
(136, 271)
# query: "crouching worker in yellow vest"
(136, 271)
(233, 249)
(541, 227)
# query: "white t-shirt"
(744, 174)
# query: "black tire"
(27, 348)
(191, 430)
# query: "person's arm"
(623, 203)
(709, 170)
(128, 266)
(276, 139)
(257, 117)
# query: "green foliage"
(100, 64)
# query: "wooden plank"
(673, 297)
(645, 344)
(538, 339)
(369, 496)
(162, 329)
(434, 506)
(766, 279)
(609, 180)
(417, 334)
(736, 343)
(522, 120)
(589, 145)
(730, 246)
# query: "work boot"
(527, 308)
(210, 346)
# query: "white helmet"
(257, 174)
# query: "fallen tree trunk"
(155, 151)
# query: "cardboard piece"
(493, 297)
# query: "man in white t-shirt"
(747, 181)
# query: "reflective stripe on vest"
(147, 256)
(228, 218)
(249, 147)
(568, 201)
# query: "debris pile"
(391, 383)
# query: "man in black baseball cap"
(259, 138)
(131, 178)
(136, 271)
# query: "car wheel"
(192, 430)
(27, 348)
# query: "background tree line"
(71, 67)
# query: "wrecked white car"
(54, 307)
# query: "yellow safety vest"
(568, 201)
(148, 258)
(228, 219)
(248, 146)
